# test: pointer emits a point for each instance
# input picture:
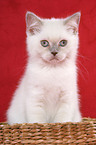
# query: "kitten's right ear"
(33, 23)
(72, 22)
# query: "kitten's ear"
(72, 22)
(33, 23)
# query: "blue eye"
(44, 43)
(62, 43)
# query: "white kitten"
(48, 89)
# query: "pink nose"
(54, 53)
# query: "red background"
(13, 54)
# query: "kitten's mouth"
(55, 60)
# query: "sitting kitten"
(48, 89)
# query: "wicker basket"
(82, 133)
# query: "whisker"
(84, 70)
(80, 72)
(84, 57)
(83, 67)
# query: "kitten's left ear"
(72, 22)
(33, 23)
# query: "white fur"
(48, 90)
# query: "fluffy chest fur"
(51, 78)
(52, 85)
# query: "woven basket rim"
(84, 120)
(81, 133)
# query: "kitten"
(48, 90)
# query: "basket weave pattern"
(82, 133)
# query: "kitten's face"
(52, 41)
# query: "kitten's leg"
(66, 112)
(35, 112)
(35, 106)
(15, 116)
(15, 113)
(77, 115)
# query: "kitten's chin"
(54, 61)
